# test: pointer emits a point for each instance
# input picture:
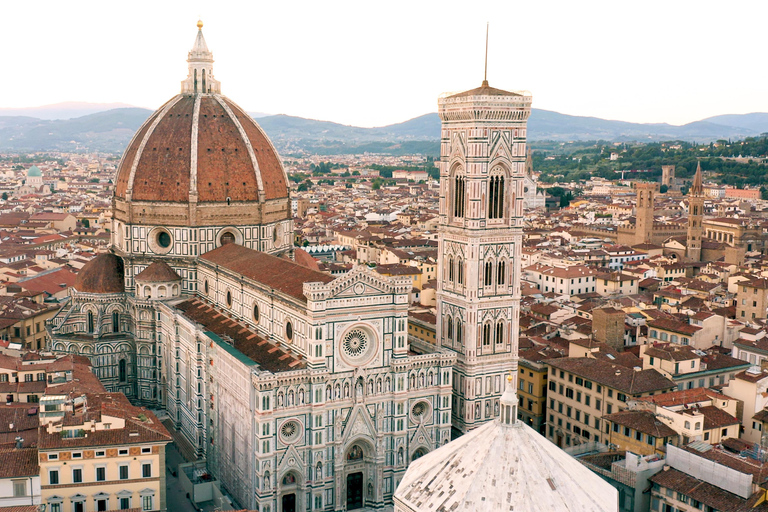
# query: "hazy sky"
(374, 63)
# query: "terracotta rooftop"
(621, 378)
(19, 463)
(103, 274)
(642, 421)
(141, 425)
(224, 165)
(249, 344)
(158, 272)
(277, 273)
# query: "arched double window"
(460, 271)
(496, 197)
(499, 332)
(500, 273)
(488, 273)
(459, 331)
(459, 193)
(89, 321)
(115, 321)
(449, 327)
(450, 269)
(486, 335)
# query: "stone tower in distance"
(695, 216)
(646, 196)
(482, 169)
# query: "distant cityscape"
(214, 318)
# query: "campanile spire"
(200, 60)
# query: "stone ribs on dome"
(268, 356)
(200, 144)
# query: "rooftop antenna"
(485, 75)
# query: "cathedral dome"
(200, 145)
(196, 154)
(103, 274)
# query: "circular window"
(290, 431)
(163, 239)
(355, 342)
(205, 287)
(229, 299)
(274, 234)
(420, 411)
(288, 331)
(227, 238)
(160, 241)
(256, 313)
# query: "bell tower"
(482, 170)
(695, 216)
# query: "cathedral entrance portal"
(354, 491)
(289, 503)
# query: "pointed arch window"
(204, 89)
(488, 273)
(486, 335)
(122, 370)
(115, 321)
(459, 332)
(449, 328)
(89, 326)
(501, 273)
(459, 191)
(496, 197)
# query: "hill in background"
(111, 130)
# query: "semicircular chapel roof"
(103, 274)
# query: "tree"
(5, 196)
(86, 223)
(663, 189)
(763, 193)
(376, 184)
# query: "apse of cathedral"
(301, 390)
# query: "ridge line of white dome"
(193, 147)
(248, 145)
(140, 150)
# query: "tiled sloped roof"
(277, 273)
(19, 463)
(699, 490)
(642, 421)
(621, 378)
(267, 355)
(716, 418)
(158, 272)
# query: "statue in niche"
(346, 390)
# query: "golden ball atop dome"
(200, 24)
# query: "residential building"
(98, 452)
(581, 391)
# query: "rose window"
(355, 343)
(290, 431)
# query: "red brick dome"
(202, 146)
(103, 274)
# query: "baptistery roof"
(200, 147)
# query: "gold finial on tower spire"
(199, 24)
